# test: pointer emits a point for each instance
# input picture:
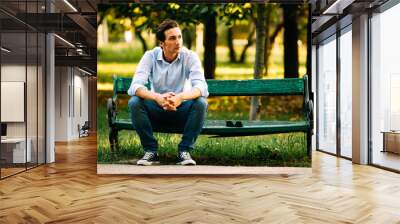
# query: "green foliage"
(149, 16)
(142, 17)
(302, 22)
(230, 13)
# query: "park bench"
(219, 128)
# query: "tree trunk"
(142, 40)
(259, 60)
(291, 56)
(232, 53)
(268, 49)
(187, 38)
(267, 43)
(250, 42)
(210, 45)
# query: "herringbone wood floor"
(70, 191)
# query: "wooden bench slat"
(121, 85)
(218, 127)
(256, 87)
(237, 87)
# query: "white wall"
(14, 73)
(71, 94)
(33, 126)
(61, 103)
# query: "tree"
(250, 41)
(188, 34)
(147, 17)
(291, 55)
(273, 22)
(232, 13)
(232, 53)
(259, 60)
(210, 43)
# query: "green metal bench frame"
(218, 128)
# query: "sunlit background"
(125, 32)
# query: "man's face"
(173, 41)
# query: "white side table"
(391, 141)
(18, 145)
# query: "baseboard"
(199, 170)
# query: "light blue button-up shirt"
(183, 73)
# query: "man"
(166, 69)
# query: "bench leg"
(309, 143)
(113, 138)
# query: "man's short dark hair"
(165, 25)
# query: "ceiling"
(74, 22)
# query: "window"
(327, 96)
(385, 84)
(23, 76)
(346, 92)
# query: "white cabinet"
(16, 146)
(391, 141)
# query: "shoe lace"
(185, 156)
(148, 155)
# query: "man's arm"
(196, 75)
(190, 95)
(143, 93)
(142, 73)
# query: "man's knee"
(135, 103)
(200, 104)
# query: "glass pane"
(327, 97)
(14, 153)
(385, 84)
(346, 94)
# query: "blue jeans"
(147, 115)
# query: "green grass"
(273, 150)
(120, 52)
(267, 150)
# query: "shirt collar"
(160, 55)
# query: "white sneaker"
(148, 159)
(185, 159)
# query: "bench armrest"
(310, 112)
(111, 111)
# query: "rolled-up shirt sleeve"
(196, 75)
(141, 77)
